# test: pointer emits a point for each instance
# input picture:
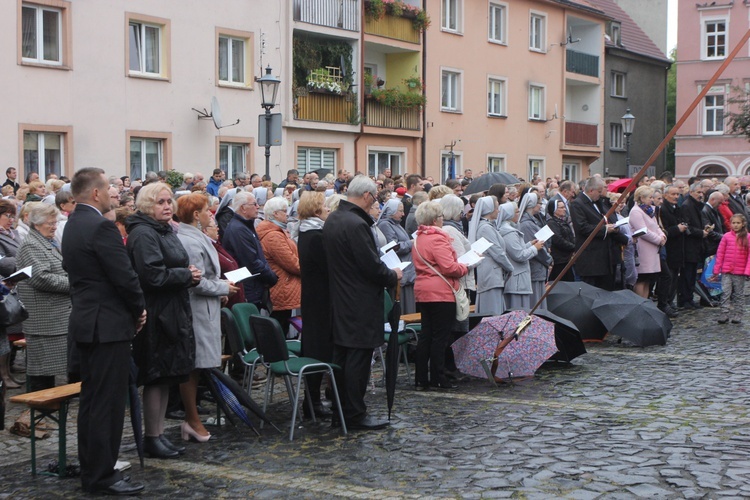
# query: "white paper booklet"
(384, 249)
(622, 222)
(544, 234)
(481, 245)
(240, 274)
(470, 258)
(391, 260)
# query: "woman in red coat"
(435, 299)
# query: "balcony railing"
(581, 134)
(399, 28)
(343, 14)
(377, 115)
(329, 108)
(583, 64)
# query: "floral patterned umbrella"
(474, 351)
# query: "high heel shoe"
(188, 433)
(156, 449)
(166, 442)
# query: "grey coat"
(393, 231)
(492, 269)
(46, 294)
(205, 300)
(9, 249)
(519, 252)
(542, 260)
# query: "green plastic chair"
(404, 336)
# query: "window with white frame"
(537, 32)
(713, 109)
(450, 91)
(495, 163)
(43, 153)
(536, 167)
(145, 48)
(536, 102)
(715, 39)
(309, 159)
(146, 155)
(496, 97)
(232, 158)
(450, 164)
(451, 15)
(616, 137)
(570, 172)
(379, 161)
(41, 34)
(617, 84)
(231, 60)
(497, 24)
(615, 33)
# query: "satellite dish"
(216, 112)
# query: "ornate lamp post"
(269, 87)
(628, 124)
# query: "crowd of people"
(112, 256)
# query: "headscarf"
(278, 192)
(485, 205)
(227, 199)
(507, 212)
(261, 195)
(389, 208)
(292, 212)
(530, 200)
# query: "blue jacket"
(213, 187)
(242, 243)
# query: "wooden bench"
(48, 402)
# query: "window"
(615, 33)
(43, 35)
(148, 46)
(714, 114)
(536, 102)
(497, 23)
(536, 167)
(448, 166)
(537, 32)
(495, 163)
(451, 91)
(378, 161)
(146, 155)
(715, 39)
(450, 20)
(309, 159)
(43, 153)
(234, 58)
(232, 158)
(617, 84)
(616, 136)
(496, 97)
(570, 172)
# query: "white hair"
(240, 199)
(273, 205)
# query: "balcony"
(398, 28)
(377, 115)
(582, 64)
(329, 108)
(581, 134)
(342, 14)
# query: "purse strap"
(433, 269)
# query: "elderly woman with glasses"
(438, 273)
(389, 224)
(46, 296)
(281, 254)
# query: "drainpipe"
(361, 94)
(423, 139)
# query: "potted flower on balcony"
(414, 83)
(320, 80)
(394, 98)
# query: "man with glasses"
(356, 282)
(242, 243)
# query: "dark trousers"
(675, 273)
(437, 324)
(283, 318)
(352, 379)
(40, 382)
(664, 285)
(101, 414)
(605, 282)
(557, 269)
(687, 282)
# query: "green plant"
(414, 83)
(374, 9)
(310, 53)
(422, 21)
(394, 98)
(175, 178)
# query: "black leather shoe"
(120, 488)
(166, 442)
(156, 449)
(445, 385)
(422, 387)
(321, 411)
(367, 423)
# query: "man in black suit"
(710, 217)
(736, 203)
(693, 247)
(11, 173)
(108, 309)
(595, 265)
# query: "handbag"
(462, 300)
(12, 310)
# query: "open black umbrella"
(633, 318)
(567, 337)
(572, 300)
(485, 181)
(135, 409)
(391, 355)
(233, 400)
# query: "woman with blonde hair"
(439, 191)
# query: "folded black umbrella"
(633, 318)
(135, 409)
(391, 358)
(485, 181)
(572, 300)
(567, 337)
(233, 400)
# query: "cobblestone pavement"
(620, 422)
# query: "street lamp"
(628, 124)
(269, 87)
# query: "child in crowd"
(732, 262)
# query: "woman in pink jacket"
(648, 244)
(432, 254)
(733, 264)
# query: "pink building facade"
(706, 35)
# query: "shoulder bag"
(12, 310)
(462, 300)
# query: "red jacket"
(434, 245)
(731, 258)
(726, 216)
(281, 254)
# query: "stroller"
(708, 286)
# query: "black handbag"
(12, 310)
